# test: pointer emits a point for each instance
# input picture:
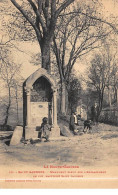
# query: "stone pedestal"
(30, 132)
(17, 135)
(55, 131)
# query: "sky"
(29, 48)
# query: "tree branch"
(23, 13)
(53, 8)
(27, 18)
(63, 6)
(94, 18)
(38, 15)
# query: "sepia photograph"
(58, 94)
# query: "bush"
(109, 117)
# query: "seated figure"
(45, 129)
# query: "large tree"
(42, 15)
(74, 94)
(78, 33)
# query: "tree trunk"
(8, 107)
(109, 97)
(7, 115)
(17, 108)
(63, 98)
(117, 96)
(101, 94)
(45, 54)
(66, 102)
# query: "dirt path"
(100, 148)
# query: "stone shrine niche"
(39, 101)
(41, 91)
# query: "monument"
(39, 101)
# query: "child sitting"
(45, 129)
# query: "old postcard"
(58, 94)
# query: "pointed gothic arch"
(32, 109)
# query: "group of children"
(45, 128)
(74, 123)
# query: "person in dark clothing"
(94, 113)
(87, 125)
(45, 129)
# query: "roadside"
(98, 148)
